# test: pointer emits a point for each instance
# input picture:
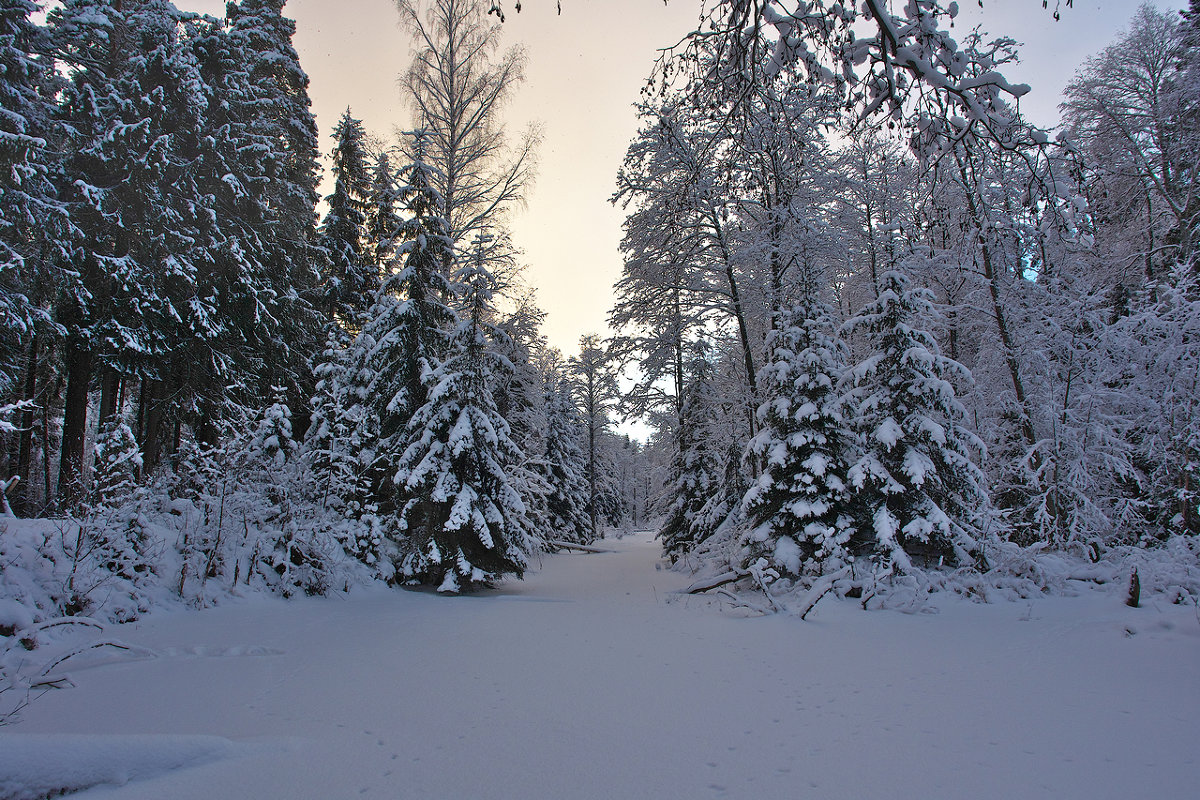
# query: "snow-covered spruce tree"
(33, 230)
(235, 165)
(118, 461)
(30, 216)
(138, 177)
(564, 466)
(521, 401)
(294, 557)
(349, 282)
(918, 494)
(405, 336)
(275, 109)
(116, 524)
(463, 521)
(339, 451)
(797, 509)
(331, 450)
(697, 471)
(382, 220)
(595, 389)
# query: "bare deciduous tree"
(458, 85)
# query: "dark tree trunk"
(152, 417)
(206, 427)
(70, 466)
(110, 392)
(21, 502)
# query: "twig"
(819, 590)
(740, 602)
(81, 650)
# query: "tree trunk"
(739, 314)
(25, 445)
(993, 282)
(152, 423)
(592, 455)
(70, 465)
(206, 427)
(110, 391)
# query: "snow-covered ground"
(591, 680)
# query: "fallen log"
(587, 548)
(713, 582)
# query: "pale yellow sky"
(585, 70)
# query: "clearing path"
(583, 681)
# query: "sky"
(585, 70)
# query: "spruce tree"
(797, 507)
(463, 520)
(520, 400)
(697, 472)
(382, 220)
(275, 108)
(235, 166)
(34, 228)
(30, 216)
(328, 441)
(349, 283)
(564, 466)
(133, 117)
(406, 333)
(918, 491)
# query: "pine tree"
(223, 369)
(797, 507)
(328, 441)
(463, 521)
(919, 493)
(595, 388)
(273, 440)
(34, 228)
(350, 282)
(292, 555)
(118, 461)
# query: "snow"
(37, 766)
(888, 433)
(595, 678)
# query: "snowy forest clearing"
(595, 678)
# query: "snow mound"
(35, 766)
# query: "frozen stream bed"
(590, 680)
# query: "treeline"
(222, 389)
(886, 322)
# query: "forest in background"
(882, 326)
